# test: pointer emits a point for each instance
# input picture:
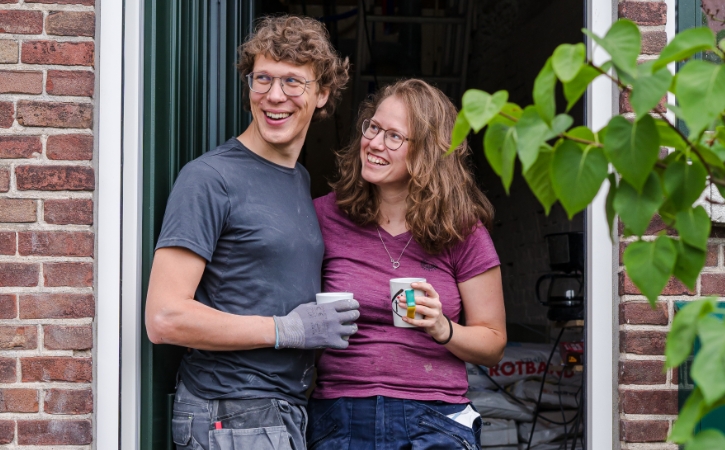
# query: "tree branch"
(603, 72)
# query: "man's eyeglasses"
(261, 83)
(392, 139)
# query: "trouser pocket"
(263, 438)
(181, 428)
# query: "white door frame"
(120, 197)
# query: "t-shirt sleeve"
(475, 255)
(197, 210)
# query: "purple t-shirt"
(383, 359)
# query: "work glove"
(312, 326)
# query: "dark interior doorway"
(193, 103)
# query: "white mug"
(401, 284)
(329, 297)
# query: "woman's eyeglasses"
(392, 139)
(261, 83)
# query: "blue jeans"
(259, 424)
(384, 423)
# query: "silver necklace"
(396, 263)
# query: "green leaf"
(708, 367)
(609, 204)
(623, 42)
(537, 176)
(531, 131)
(480, 107)
(684, 183)
(636, 209)
(582, 132)
(508, 110)
(633, 149)
(693, 225)
(686, 44)
(567, 60)
(668, 136)
(574, 89)
(648, 90)
(700, 89)
(499, 146)
(712, 156)
(690, 261)
(460, 131)
(544, 92)
(650, 264)
(720, 134)
(708, 439)
(577, 174)
(684, 330)
(560, 124)
(690, 415)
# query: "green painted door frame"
(192, 103)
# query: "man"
(238, 260)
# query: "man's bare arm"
(173, 316)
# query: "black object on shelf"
(562, 290)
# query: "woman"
(402, 209)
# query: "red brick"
(71, 23)
(73, 274)
(644, 430)
(55, 178)
(68, 401)
(675, 376)
(59, 53)
(713, 284)
(61, 337)
(7, 370)
(7, 114)
(18, 338)
(70, 147)
(2, 2)
(673, 287)
(21, 82)
(21, 22)
(4, 180)
(18, 210)
(64, 2)
(7, 243)
(15, 147)
(56, 368)
(8, 306)
(14, 274)
(55, 243)
(71, 211)
(626, 107)
(54, 432)
(644, 13)
(648, 402)
(56, 306)
(642, 372)
(641, 313)
(713, 251)
(7, 427)
(653, 42)
(55, 114)
(68, 82)
(638, 342)
(19, 400)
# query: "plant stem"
(582, 141)
(689, 144)
(603, 72)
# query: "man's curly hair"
(298, 40)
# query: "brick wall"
(647, 394)
(47, 241)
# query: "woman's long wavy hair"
(444, 205)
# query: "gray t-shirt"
(254, 223)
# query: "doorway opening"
(455, 45)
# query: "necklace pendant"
(396, 264)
